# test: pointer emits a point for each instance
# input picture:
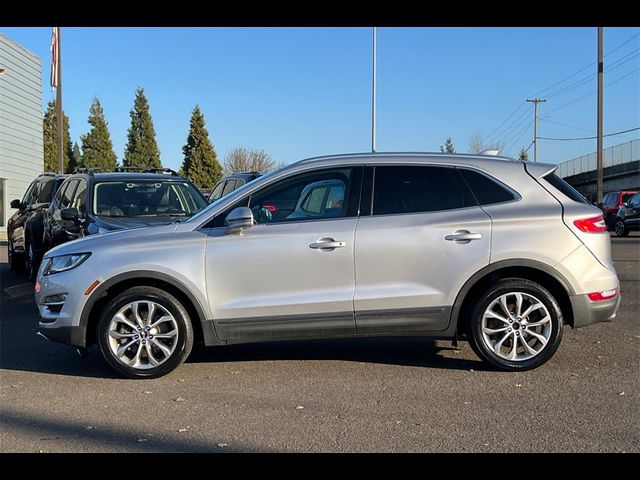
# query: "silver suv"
(501, 252)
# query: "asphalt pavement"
(365, 395)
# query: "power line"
(589, 138)
(591, 64)
(590, 130)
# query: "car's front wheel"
(621, 228)
(516, 325)
(31, 263)
(145, 332)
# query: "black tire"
(621, 228)
(168, 302)
(484, 300)
(31, 263)
(13, 258)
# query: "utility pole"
(535, 102)
(59, 117)
(373, 96)
(600, 163)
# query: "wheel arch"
(533, 270)
(203, 329)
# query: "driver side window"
(318, 195)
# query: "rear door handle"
(327, 244)
(463, 236)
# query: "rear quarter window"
(567, 190)
(486, 190)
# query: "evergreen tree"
(448, 146)
(97, 148)
(142, 149)
(523, 155)
(77, 156)
(200, 163)
(50, 138)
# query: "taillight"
(591, 224)
(603, 295)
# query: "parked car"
(628, 217)
(88, 203)
(231, 182)
(611, 204)
(500, 252)
(24, 228)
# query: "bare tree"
(477, 144)
(242, 159)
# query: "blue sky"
(300, 92)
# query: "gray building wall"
(21, 147)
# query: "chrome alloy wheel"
(516, 326)
(143, 334)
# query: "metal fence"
(623, 153)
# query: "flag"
(54, 57)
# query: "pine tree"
(523, 155)
(448, 146)
(142, 149)
(77, 156)
(97, 148)
(200, 163)
(49, 130)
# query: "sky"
(302, 92)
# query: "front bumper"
(587, 312)
(63, 324)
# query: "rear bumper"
(586, 312)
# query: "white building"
(21, 147)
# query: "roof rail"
(87, 170)
(161, 170)
(128, 169)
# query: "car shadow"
(404, 351)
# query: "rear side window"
(565, 188)
(486, 190)
(229, 187)
(626, 197)
(415, 189)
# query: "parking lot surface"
(365, 395)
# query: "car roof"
(128, 176)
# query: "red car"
(610, 205)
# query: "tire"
(144, 358)
(13, 258)
(621, 228)
(543, 323)
(31, 263)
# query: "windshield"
(150, 198)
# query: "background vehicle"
(231, 182)
(25, 227)
(503, 253)
(611, 204)
(89, 203)
(628, 217)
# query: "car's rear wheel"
(516, 325)
(145, 332)
(31, 263)
(621, 229)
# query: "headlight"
(64, 263)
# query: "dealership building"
(21, 147)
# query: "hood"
(119, 223)
(112, 239)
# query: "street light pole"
(373, 96)
(600, 160)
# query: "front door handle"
(463, 236)
(327, 244)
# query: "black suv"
(89, 202)
(230, 183)
(628, 217)
(24, 229)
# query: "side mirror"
(70, 214)
(15, 203)
(625, 204)
(239, 218)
